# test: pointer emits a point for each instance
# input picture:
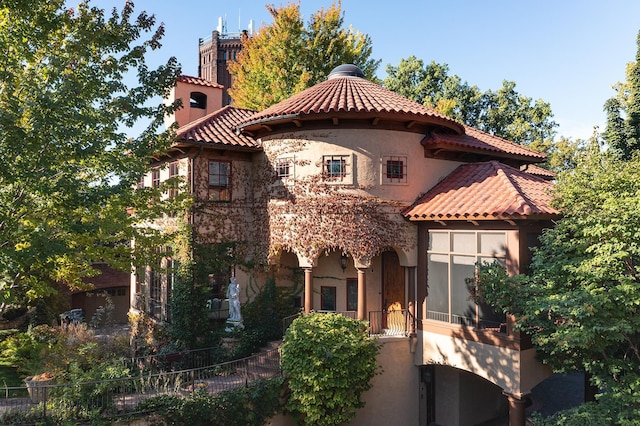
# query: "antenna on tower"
(239, 25)
(219, 27)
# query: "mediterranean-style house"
(385, 207)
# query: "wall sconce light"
(343, 262)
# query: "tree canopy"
(505, 112)
(68, 168)
(285, 57)
(622, 133)
(581, 301)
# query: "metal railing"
(122, 396)
(468, 321)
(400, 322)
(381, 323)
(181, 360)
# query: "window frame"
(288, 163)
(344, 175)
(220, 192)
(352, 299)
(455, 254)
(155, 177)
(323, 298)
(389, 159)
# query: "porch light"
(343, 262)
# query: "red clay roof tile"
(354, 95)
(198, 81)
(484, 191)
(218, 128)
(538, 171)
(477, 140)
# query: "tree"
(67, 167)
(504, 113)
(284, 58)
(581, 301)
(622, 133)
(329, 361)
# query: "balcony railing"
(399, 322)
(478, 324)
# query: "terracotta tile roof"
(484, 191)
(198, 81)
(538, 171)
(218, 128)
(477, 140)
(354, 95)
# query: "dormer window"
(198, 100)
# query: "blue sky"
(567, 52)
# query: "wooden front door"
(393, 289)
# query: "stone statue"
(235, 316)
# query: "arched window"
(198, 100)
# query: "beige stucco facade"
(290, 212)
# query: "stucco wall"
(394, 397)
(516, 372)
(368, 147)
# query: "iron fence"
(118, 397)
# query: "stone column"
(517, 405)
(362, 295)
(308, 290)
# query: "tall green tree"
(284, 58)
(581, 301)
(67, 166)
(622, 133)
(504, 112)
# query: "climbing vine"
(313, 216)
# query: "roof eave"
(514, 218)
(446, 151)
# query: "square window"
(394, 169)
(284, 168)
(335, 167)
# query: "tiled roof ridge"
(198, 80)
(524, 205)
(197, 122)
(218, 128)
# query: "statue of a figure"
(233, 294)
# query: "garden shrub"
(249, 406)
(329, 361)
